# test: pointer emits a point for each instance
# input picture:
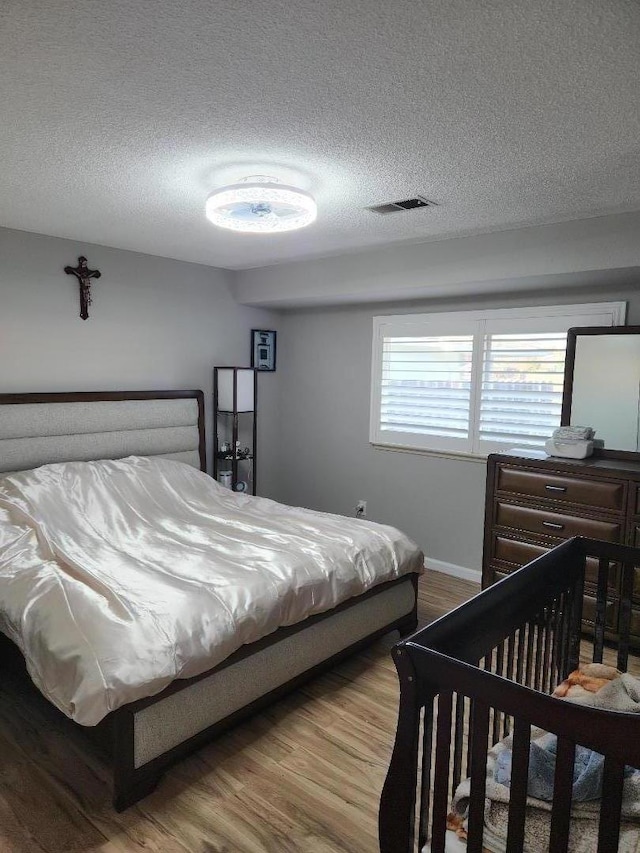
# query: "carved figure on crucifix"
(84, 276)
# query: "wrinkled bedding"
(117, 577)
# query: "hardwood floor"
(305, 775)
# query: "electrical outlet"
(361, 509)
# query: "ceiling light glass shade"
(261, 205)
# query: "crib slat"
(500, 659)
(609, 830)
(520, 656)
(498, 715)
(425, 777)
(548, 651)
(530, 644)
(488, 667)
(511, 642)
(538, 670)
(575, 623)
(624, 625)
(478, 774)
(601, 609)
(458, 740)
(519, 784)
(470, 733)
(557, 641)
(564, 636)
(441, 781)
(562, 789)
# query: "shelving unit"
(235, 397)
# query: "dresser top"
(592, 463)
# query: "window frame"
(551, 317)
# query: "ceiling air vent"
(407, 204)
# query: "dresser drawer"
(588, 492)
(555, 523)
(513, 551)
(517, 553)
(533, 505)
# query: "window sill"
(421, 451)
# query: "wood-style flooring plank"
(304, 775)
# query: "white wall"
(565, 254)
(325, 359)
(154, 324)
(157, 323)
(327, 461)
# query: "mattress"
(119, 576)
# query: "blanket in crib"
(607, 690)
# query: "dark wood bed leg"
(129, 784)
(129, 793)
(409, 623)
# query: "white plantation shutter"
(475, 381)
(521, 392)
(426, 385)
(423, 386)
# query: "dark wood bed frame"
(115, 733)
(131, 784)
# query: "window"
(474, 381)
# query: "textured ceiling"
(118, 118)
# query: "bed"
(479, 681)
(136, 442)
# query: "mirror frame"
(567, 389)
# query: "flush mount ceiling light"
(262, 205)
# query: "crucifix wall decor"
(84, 276)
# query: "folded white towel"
(573, 433)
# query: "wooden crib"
(486, 670)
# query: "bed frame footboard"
(485, 671)
(150, 735)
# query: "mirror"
(602, 384)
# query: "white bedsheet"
(117, 577)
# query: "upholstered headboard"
(36, 429)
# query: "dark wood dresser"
(533, 504)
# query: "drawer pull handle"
(553, 525)
(556, 488)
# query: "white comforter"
(117, 577)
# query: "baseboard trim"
(474, 575)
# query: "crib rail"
(485, 671)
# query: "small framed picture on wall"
(263, 349)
